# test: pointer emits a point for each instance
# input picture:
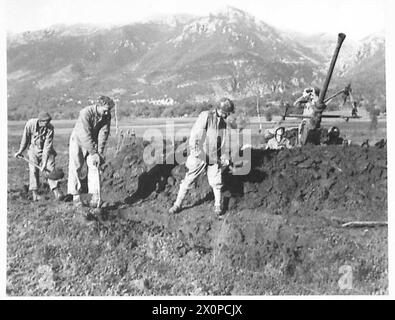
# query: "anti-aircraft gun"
(312, 131)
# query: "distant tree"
(256, 87)
(167, 113)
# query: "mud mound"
(276, 213)
(126, 174)
(315, 178)
(276, 209)
(311, 178)
(127, 178)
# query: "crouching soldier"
(334, 138)
(279, 142)
(38, 139)
(87, 142)
(206, 140)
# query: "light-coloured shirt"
(273, 144)
(92, 130)
(39, 139)
(207, 134)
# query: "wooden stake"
(363, 224)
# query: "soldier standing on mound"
(205, 143)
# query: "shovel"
(55, 174)
(97, 211)
(98, 205)
(99, 176)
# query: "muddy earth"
(281, 234)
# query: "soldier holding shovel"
(205, 143)
(87, 142)
(37, 137)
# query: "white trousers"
(77, 158)
(195, 167)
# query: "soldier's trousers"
(197, 166)
(78, 156)
(35, 156)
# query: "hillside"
(155, 67)
(367, 70)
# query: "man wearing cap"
(334, 138)
(87, 142)
(206, 144)
(279, 142)
(37, 137)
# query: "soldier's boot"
(218, 210)
(177, 206)
(36, 197)
(58, 194)
(175, 209)
(77, 202)
(95, 201)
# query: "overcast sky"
(356, 18)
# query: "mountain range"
(166, 66)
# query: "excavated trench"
(273, 212)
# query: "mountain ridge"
(170, 63)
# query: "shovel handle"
(99, 176)
(32, 163)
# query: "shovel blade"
(56, 174)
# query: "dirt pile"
(127, 178)
(314, 178)
(273, 211)
(122, 173)
(278, 211)
(296, 180)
